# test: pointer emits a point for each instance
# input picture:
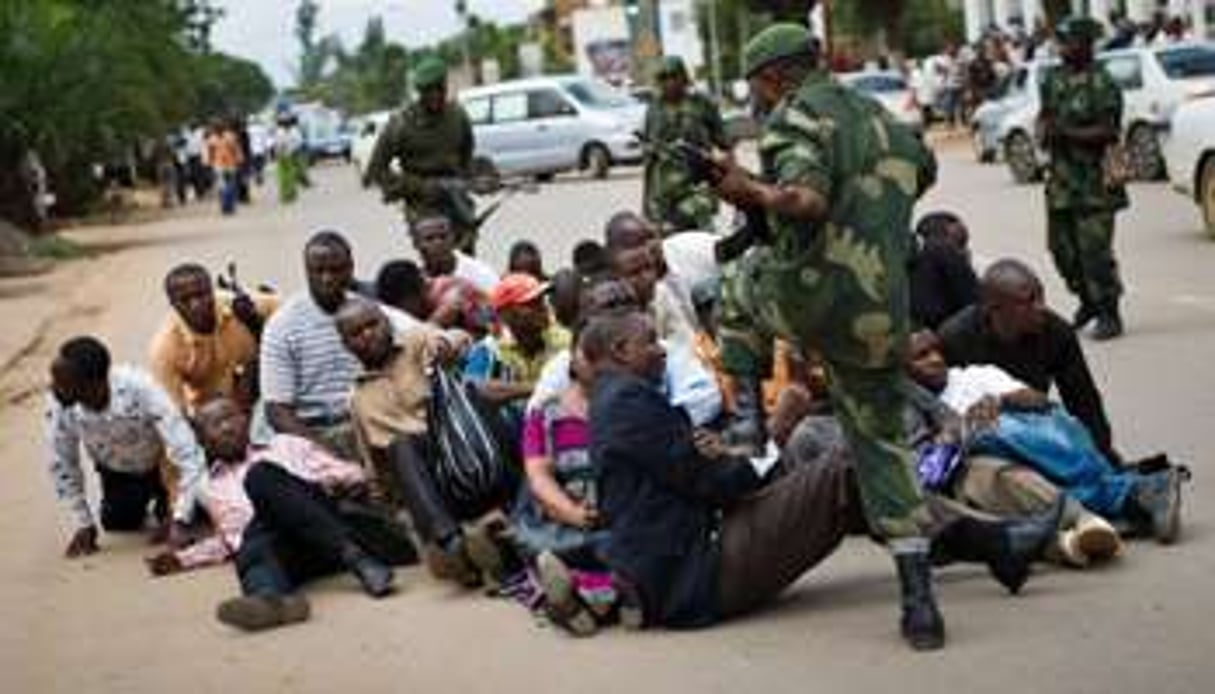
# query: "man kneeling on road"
(130, 429)
(280, 511)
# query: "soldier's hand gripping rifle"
(702, 168)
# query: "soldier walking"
(840, 178)
(1079, 122)
(674, 199)
(432, 143)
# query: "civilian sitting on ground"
(1012, 328)
(1010, 419)
(131, 431)
(390, 410)
(687, 383)
(695, 538)
(306, 374)
(435, 242)
(210, 341)
(590, 260)
(634, 256)
(504, 370)
(447, 302)
(524, 258)
(943, 281)
(277, 512)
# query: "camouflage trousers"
(1082, 245)
(869, 403)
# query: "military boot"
(922, 626)
(1084, 315)
(747, 425)
(1109, 324)
(1007, 547)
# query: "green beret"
(431, 72)
(1080, 29)
(776, 42)
(672, 66)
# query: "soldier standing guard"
(1079, 123)
(673, 198)
(432, 143)
(840, 178)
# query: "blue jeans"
(1059, 447)
(229, 189)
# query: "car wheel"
(597, 159)
(1206, 194)
(1022, 158)
(1143, 149)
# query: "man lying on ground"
(1009, 419)
(1012, 328)
(132, 432)
(278, 512)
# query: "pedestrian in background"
(224, 153)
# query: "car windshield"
(1190, 61)
(877, 84)
(596, 95)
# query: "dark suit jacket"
(661, 499)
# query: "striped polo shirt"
(305, 364)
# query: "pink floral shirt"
(230, 509)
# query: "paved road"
(101, 625)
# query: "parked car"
(367, 132)
(892, 90)
(1190, 153)
(1019, 89)
(547, 125)
(1155, 81)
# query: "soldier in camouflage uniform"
(431, 142)
(840, 177)
(673, 199)
(1080, 119)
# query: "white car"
(1190, 153)
(546, 125)
(1155, 81)
(892, 90)
(367, 133)
(1019, 90)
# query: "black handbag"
(469, 466)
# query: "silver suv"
(547, 125)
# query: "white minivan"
(542, 126)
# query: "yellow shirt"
(193, 367)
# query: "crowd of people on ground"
(651, 435)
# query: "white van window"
(477, 110)
(510, 108)
(547, 103)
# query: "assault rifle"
(751, 224)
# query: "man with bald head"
(1012, 328)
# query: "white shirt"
(692, 257)
(475, 272)
(968, 385)
(133, 435)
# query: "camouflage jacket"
(696, 120)
(424, 146)
(1075, 176)
(841, 285)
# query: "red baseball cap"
(516, 290)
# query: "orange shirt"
(223, 151)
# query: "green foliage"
(88, 81)
(56, 247)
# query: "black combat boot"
(922, 626)
(1007, 547)
(1109, 324)
(1084, 315)
(373, 575)
(748, 426)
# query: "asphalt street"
(1142, 624)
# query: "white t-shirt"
(475, 272)
(968, 385)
